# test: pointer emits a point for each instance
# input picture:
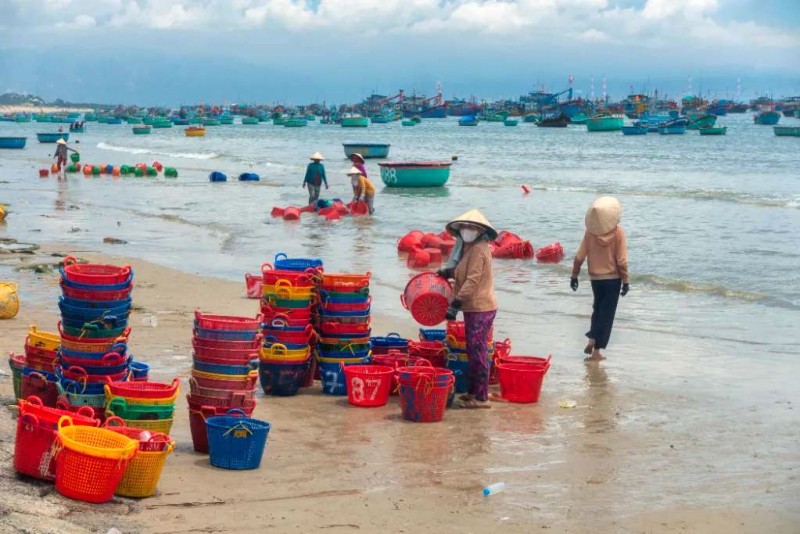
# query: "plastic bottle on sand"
(493, 489)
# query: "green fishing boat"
(141, 129)
(22, 117)
(226, 120)
(90, 117)
(605, 123)
(415, 173)
(211, 122)
(162, 123)
(250, 120)
(579, 118)
(134, 120)
(311, 118)
(409, 122)
(295, 122)
(280, 120)
(196, 120)
(714, 130)
(698, 121)
(786, 131)
(355, 121)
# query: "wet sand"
(630, 457)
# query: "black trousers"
(604, 308)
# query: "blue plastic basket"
(139, 370)
(283, 263)
(391, 341)
(92, 313)
(332, 315)
(270, 340)
(98, 287)
(432, 334)
(236, 442)
(222, 369)
(95, 304)
(120, 348)
(282, 379)
(332, 376)
(225, 335)
(460, 369)
(104, 370)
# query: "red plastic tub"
(95, 273)
(427, 297)
(368, 385)
(226, 322)
(521, 382)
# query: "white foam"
(131, 150)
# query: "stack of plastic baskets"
(95, 308)
(144, 469)
(90, 462)
(145, 405)
(289, 293)
(344, 327)
(37, 428)
(235, 441)
(17, 364)
(424, 392)
(223, 375)
(457, 358)
(38, 372)
(391, 342)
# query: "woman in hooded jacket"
(470, 266)
(605, 248)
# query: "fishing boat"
(367, 150)
(468, 120)
(636, 129)
(510, 122)
(13, 142)
(767, 118)
(226, 121)
(77, 129)
(379, 119)
(250, 120)
(354, 121)
(714, 130)
(605, 122)
(177, 121)
(578, 118)
(141, 129)
(22, 117)
(195, 131)
(698, 121)
(211, 122)
(90, 117)
(670, 128)
(162, 123)
(555, 121)
(52, 137)
(280, 120)
(114, 120)
(196, 120)
(787, 131)
(408, 122)
(311, 117)
(296, 122)
(415, 173)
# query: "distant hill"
(16, 99)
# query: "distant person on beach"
(362, 188)
(605, 248)
(358, 163)
(315, 177)
(61, 155)
(470, 266)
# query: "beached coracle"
(415, 173)
(52, 137)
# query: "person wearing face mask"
(470, 266)
(605, 246)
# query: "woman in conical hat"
(606, 249)
(315, 177)
(470, 266)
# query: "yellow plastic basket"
(153, 402)
(153, 425)
(288, 292)
(232, 378)
(42, 340)
(143, 472)
(279, 352)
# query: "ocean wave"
(132, 150)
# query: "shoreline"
(333, 467)
(27, 108)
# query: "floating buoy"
(150, 171)
(95, 170)
(124, 170)
(103, 168)
(72, 168)
(87, 170)
(170, 172)
(418, 258)
(249, 177)
(307, 209)
(217, 176)
(276, 212)
(157, 166)
(115, 171)
(54, 168)
(44, 173)
(526, 188)
(291, 214)
(138, 172)
(109, 169)
(553, 253)
(2, 212)
(333, 215)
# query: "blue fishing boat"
(52, 137)
(511, 122)
(180, 122)
(415, 173)
(672, 130)
(604, 122)
(468, 120)
(767, 118)
(367, 150)
(578, 118)
(637, 129)
(13, 142)
(114, 120)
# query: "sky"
(168, 52)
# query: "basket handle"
(38, 376)
(64, 421)
(422, 362)
(208, 411)
(86, 411)
(266, 267)
(34, 400)
(114, 419)
(281, 256)
(34, 420)
(403, 301)
(393, 334)
(113, 358)
(278, 348)
(69, 260)
(198, 316)
(80, 371)
(236, 412)
(281, 282)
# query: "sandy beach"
(603, 466)
(8, 109)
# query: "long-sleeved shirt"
(315, 174)
(361, 167)
(607, 255)
(474, 279)
(362, 187)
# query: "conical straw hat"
(61, 142)
(474, 217)
(317, 156)
(358, 156)
(353, 171)
(603, 215)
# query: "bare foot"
(596, 356)
(466, 397)
(474, 404)
(589, 347)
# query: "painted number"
(332, 381)
(364, 388)
(389, 175)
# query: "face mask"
(469, 234)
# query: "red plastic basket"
(226, 322)
(36, 433)
(91, 462)
(272, 277)
(535, 361)
(99, 344)
(95, 273)
(144, 390)
(226, 345)
(368, 385)
(521, 382)
(226, 395)
(550, 253)
(224, 355)
(294, 317)
(197, 423)
(427, 297)
(87, 294)
(235, 359)
(345, 283)
(235, 399)
(253, 284)
(425, 402)
(339, 329)
(79, 374)
(111, 359)
(433, 351)
(346, 306)
(36, 384)
(231, 385)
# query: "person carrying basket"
(362, 188)
(605, 247)
(470, 266)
